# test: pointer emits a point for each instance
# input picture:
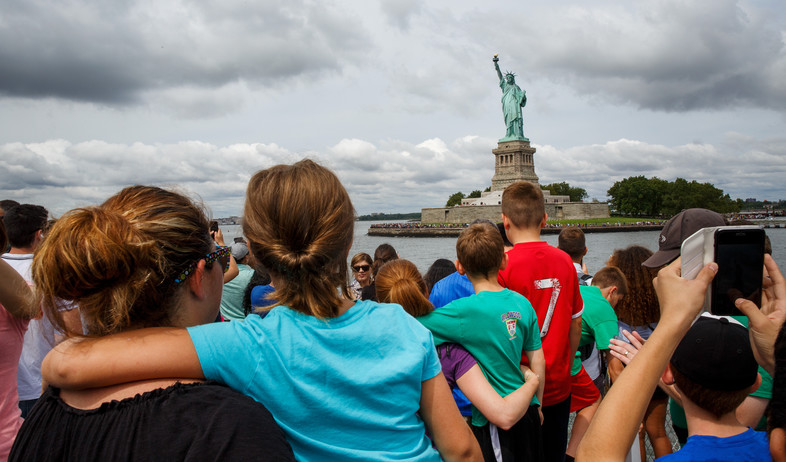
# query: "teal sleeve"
(225, 352)
(445, 324)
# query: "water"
(424, 250)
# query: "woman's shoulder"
(377, 309)
(390, 317)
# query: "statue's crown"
(508, 73)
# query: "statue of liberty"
(513, 99)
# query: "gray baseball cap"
(239, 250)
(680, 227)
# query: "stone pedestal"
(514, 161)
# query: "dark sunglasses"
(221, 254)
(361, 268)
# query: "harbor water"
(424, 250)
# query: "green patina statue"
(513, 99)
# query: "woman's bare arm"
(15, 295)
(451, 435)
(152, 353)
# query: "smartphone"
(213, 226)
(739, 253)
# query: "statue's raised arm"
(513, 99)
(496, 66)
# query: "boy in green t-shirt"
(598, 326)
(495, 325)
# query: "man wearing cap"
(680, 227)
(234, 290)
(674, 232)
(714, 370)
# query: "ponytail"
(299, 221)
(399, 281)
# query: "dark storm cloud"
(113, 52)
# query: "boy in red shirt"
(546, 276)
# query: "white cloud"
(751, 172)
(389, 176)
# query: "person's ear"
(544, 220)
(611, 292)
(504, 261)
(585, 252)
(667, 376)
(460, 268)
(505, 222)
(196, 280)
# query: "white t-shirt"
(39, 338)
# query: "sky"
(398, 97)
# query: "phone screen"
(740, 258)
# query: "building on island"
(514, 160)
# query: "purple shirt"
(455, 360)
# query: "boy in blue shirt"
(714, 370)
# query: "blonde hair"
(299, 221)
(399, 281)
(119, 260)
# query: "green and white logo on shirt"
(510, 318)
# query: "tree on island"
(564, 189)
(638, 195)
(455, 199)
(474, 194)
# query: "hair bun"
(92, 248)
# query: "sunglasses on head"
(221, 254)
(361, 268)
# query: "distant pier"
(415, 229)
(407, 230)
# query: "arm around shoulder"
(158, 352)
(502, 412)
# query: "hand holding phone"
(739, 253)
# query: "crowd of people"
(130, 331)
(557, 225)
